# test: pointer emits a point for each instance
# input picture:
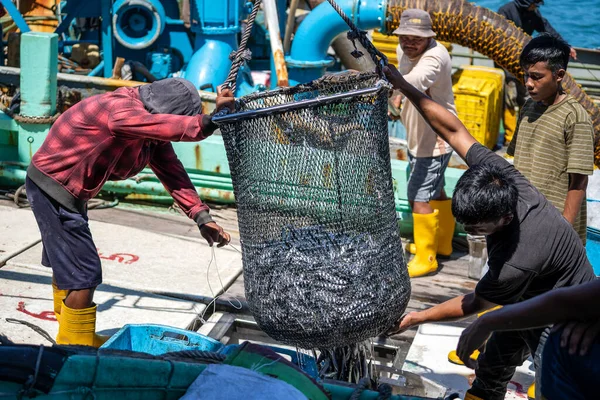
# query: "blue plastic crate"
(159, 339)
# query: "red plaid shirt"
(113, 137)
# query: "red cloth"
(113, 137)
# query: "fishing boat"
(135, 42)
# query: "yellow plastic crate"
(479, 96)
(387, 45)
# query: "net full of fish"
(322, 256)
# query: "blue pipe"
(97, 70)
(210, 64)
(308, 56)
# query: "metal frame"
(221, 118)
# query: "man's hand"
(394, 104)
(394, 76)
(404, 323)
(225, 100)
(213, 233)
(579, 335)
(573, 53)
(473, 338)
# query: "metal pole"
(276, 46)
(290, 25)
(39, 65)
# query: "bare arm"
(442, 121)
(575, 196)
(580, 302)
(452, 310)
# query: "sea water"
(576, 20)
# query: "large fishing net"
(322, 257)
(310, 165)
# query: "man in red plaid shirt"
(110, 137)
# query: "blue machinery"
(152, 32)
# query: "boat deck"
(167, 283)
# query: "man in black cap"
(110, 137)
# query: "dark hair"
(485, 193)
(549, 48)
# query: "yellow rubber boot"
(446, 228)
(78, 327)
(58, 295)
(453, 357)
(447, 225)
(510, 123)
(425, 228)
(412, 249)
(531, 392)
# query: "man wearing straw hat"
(426, 64)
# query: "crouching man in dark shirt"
(532, 249)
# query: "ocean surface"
(578, 21)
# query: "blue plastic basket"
(159, 339)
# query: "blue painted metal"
(176, 38)
(107, 39)
(171, 9)
(320, 27)
(245, 83)
(159, 339)
(97, 70)
(215, 19)
(210, 64)
(282, 6)
(73, 9)
(82, 8)
(38, 88)
(15, 14)
(161, 64)
(301, 71)
(216, 37)
(137, 24)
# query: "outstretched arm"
(581, 303)
(442, 121)
(451, 310)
